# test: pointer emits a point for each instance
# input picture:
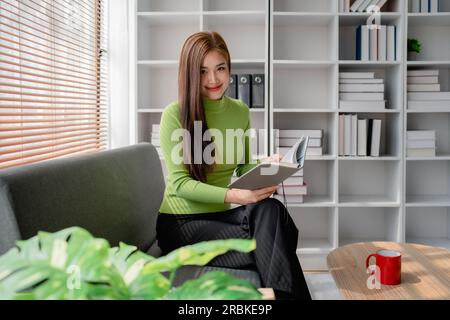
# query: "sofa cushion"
(114, 194)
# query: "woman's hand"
(273, 158)
(242, 196)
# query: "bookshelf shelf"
(428, 201)
(430, 241)
(357, 18)
(364, 64)
(429, 19)
(318, 246)
(382, 158)
(311, 63)
(367, 201)
(437, 158)
(305, 110)
(365, 110)
(301, 46)
(314, 201)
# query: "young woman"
(196, 205)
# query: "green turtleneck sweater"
(183, 194)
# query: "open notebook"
(273, 173)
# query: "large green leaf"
(215, 286)
(197, 254)
(72, 264)
(130, 263)
(69, 264)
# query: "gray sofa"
(114, 194)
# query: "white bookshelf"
(427, 179)
(301, 46)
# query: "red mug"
(389, 265)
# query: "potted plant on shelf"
(414, 48)
(72, 264)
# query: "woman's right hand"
(243, 196)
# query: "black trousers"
(267, 221)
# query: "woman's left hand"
(273, 158)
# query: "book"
(362, 137)
(349, 104)
(293, 180)
(289, 142)
(354, 7)
(427, 96)
(362, 43)
(376, 138)
(433, 6)
(425, 152)
(415, 6)
(360, 81)
(372, 6)
(293, 133)
(347, 134)
(443, 104)
(421, 134)
(314, 151)
(362, 96)
(354, 136)
(267, 174)
(369, 135)
(420, 144)
(341, 6)
(380, 4)
(292, 189)
(382, 41)
(341, 134)
(424, 87)
(363, 6)
(424, 6)
(361, 87)
(391, 43)
(423, 73)
(423, 80)
(244, 88)
(289, 198)
(356, 75)
(373, 44)
(346, 5)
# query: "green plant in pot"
(414, 48)
(72, 264)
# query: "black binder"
(257, 91)
(232, 87)
(244, 92)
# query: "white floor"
(322, 286)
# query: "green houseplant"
(414, 48)
(72, 264)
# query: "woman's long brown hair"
(194, 51)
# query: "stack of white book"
(424, 6)
(361, 90)
(155, 139)
(424, 91)
(294, 189)
(285, 139)
(361, 5)
(359, 137)
(421, 143)
(376, 44)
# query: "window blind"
(53, 80)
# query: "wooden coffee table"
(425, 272)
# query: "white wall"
(121, 134)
